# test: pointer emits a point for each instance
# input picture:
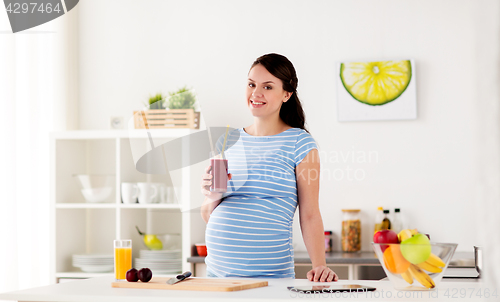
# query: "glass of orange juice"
(123, 258)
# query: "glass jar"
(328, 241)
(351, 231)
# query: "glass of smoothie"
(219, 173)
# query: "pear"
(151, 240)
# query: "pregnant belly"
(241, 250)
(247, 237)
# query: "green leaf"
(157, 101)
(181, 99)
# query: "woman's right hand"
(206, 182)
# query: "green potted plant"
(157, 101)
(181, 103)
(183, 98)
(179, 113)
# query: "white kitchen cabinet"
(79, 227)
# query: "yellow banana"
(404, 234)
(414, 231)
(435, 260)
(421, 276)
(407, 276)
(429, 267)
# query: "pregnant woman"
(273, 167)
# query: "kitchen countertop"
(100, 290)
(344, 258)
(332, 258)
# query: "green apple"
(416, 249)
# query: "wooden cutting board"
(203, 284)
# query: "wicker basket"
(162, 119)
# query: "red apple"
(385, 236)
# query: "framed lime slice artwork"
(376, 83)
(376, 90)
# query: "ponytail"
(292, 114)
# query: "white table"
(99, 289)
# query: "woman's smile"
(257, 104)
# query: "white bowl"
(95, 188)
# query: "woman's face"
(265, 92)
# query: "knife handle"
(184, 276)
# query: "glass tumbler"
(219, 173)
(123, 258)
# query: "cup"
(147, 192)
(201, 249)
(167, 194)
(163, 194)
(123, 258)
(219, 173)
(160, 188)
(130, 192)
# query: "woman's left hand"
(322, 274)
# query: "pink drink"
(219, 175)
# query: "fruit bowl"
(95, 188)
(157, 242)
(414, 275)
(168, 242)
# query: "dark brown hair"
(291, 111)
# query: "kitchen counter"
(353, 261)
(342, 258)
(331, 258)
(100, 290)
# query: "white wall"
(427, 167)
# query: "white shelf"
(110, 134)
(81, 275)
(114, 206)
(150, 206)
(92, 227)
(85, 205)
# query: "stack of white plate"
(94, 263)
(160, 262)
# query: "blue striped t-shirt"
(249, 234)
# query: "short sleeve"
(305, 143)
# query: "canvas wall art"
(377, 90)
